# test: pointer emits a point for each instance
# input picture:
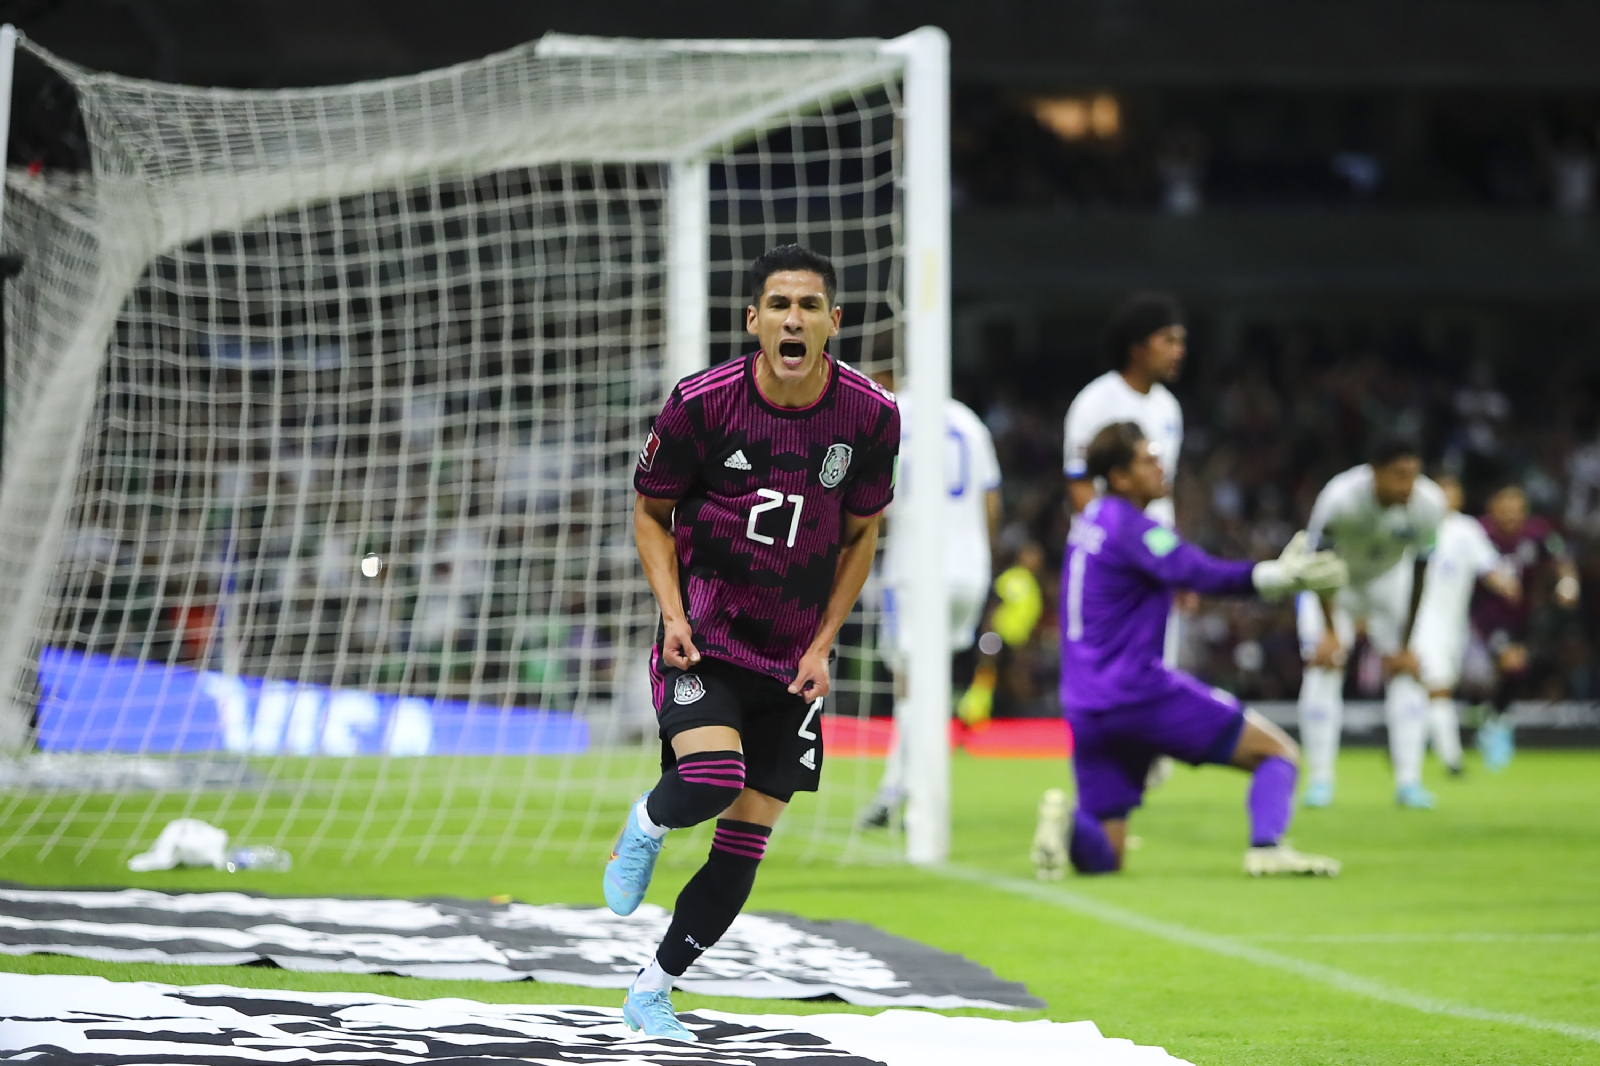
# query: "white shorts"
(966, 611)
(1381, 606)
(1439, 643)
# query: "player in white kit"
(1146, 341)
(971, 515)
(1379, 518)
(1462, 556)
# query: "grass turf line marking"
(1112, 914)
(1424, 938)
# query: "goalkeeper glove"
(1299, 569)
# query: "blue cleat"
(1415, 797)
(1496, 744)
(633, 862)
(652, 1012)
(1318, 794)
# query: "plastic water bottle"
(260, 857)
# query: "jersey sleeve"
(1433, 515)
(1322, 512)
(985, 466)
(1078, 431)
(671, 455)
(871, 489)
(1161, 554)
(1485, 556)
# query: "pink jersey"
(1526, 552)
(762, 491)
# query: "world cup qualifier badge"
(835, 464)
(688, 689)
(647, 454)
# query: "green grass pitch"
(1490, 903)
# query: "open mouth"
(793, 353)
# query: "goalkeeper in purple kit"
(1125, 706)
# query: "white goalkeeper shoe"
(1280, 858)
(1050, 836)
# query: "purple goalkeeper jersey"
(1116, 593)
(762, 493)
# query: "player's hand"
(811, 680)
(1504, 584)
(1514, 658)
(1299, 569)
(1329, 655)
(677, 645)
(1187, 601)
(1403, 661)
(1567, 588)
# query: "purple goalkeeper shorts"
(1112, 749)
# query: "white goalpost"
(269, 333)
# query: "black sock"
(715, 895)
(698, 787)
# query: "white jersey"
(1461, 556)
(971, 472)
(1369, 537)
(1108, 399)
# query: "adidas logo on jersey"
(737, 461)
(809, 759)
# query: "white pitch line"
(1112, 914)
(1425, 938)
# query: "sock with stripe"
(715, 895)
(699, 787)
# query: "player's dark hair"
(791, 257)
(1135, 319)
(1112, 448)
(1391, 446)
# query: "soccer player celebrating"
(1461, 558)
(1125, 705)
(759, 492)
(1532, 548)
(1378, 517)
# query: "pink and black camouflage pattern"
(762, 495)
(1528, 552)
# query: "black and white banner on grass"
(764, 956)
(89, 1021)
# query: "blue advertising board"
(99, 703)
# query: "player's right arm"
(667, 467)
(1077, 432)
(658, 554)
(1328, 653)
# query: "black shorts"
(781, 733)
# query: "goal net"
(428, 319)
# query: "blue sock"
(1089, 849)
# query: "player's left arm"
(858, 546)
(1176, 563)
(1405, 660)
(1567, 584)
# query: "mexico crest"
(688, 689)
(835, 464)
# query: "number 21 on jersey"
(772, 499)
